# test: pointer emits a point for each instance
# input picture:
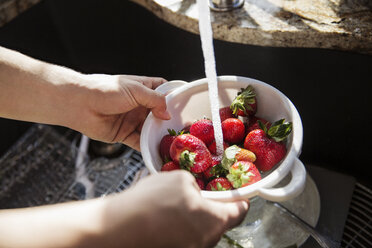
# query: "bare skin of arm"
(165, 210)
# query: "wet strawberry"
(226, 113)
(203, 129)
(186, 129)
(190, 153)
(253, 123)
(212, 147)
(267, 144)
(170, 166)
(245, 103)
(233, 130)
(235, 153)
(243, 173)
(165, 144)
(200, 183)
(219, 184)
(216, 170)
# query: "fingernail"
(245, 204)
(166, 115)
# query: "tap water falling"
(206, 36)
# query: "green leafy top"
(218, 171)
(173, 132)
(278, 131)
(219, 187)
(187, 159)
(240, 176)
(243, 100)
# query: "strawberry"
(243, 173)
(216, 170)
(268, 144)
(235, 153)
(203, 129)
(170, 166)
(190, 153)
(215, 160)
(233, 130)
(186, 129)
(253, 123)
(245, 103)
(213, 149)
(226, 113)
(200, 183)
(219, 184)
(165, 144)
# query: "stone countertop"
(9, 9)
(333, 24)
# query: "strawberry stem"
(243, 100)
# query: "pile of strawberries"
(251, 145)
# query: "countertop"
(333, 24)
(9, 9)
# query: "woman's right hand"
(167, 210)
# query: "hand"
(167, 210)
(117, 106)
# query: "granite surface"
(333, 24)
(9, 9)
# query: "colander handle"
(292, 189)
(167, 87)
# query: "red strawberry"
(226, 113)
(213, 149)
(165, 144)
(186, 129)
(190, 153)
(219, 184)
(253, 123)
(233, 130)
(243, 173)
(268, 145)
(170, 166)
(235, 153)
(245, 103)
(201, 183)
(203, 129)
(215, 170)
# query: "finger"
(152, 100)
(232, 212)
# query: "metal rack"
(358, 226)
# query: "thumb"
(233, 212)
(152, 100)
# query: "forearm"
(77, 224)
(32, 90)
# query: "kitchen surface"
(326, 74)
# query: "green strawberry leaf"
(243, 100)
(262, 126)
(172, 132)
(239, 176)
(218, 171)
(187, 159)
(280, 130)
(234, 180)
